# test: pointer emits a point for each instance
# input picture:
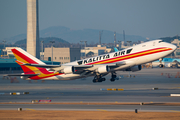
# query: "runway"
(79, 107)
(138, 88)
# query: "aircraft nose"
(174, 47)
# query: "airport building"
(62, 55)
(177, 51)
(95, 50)
(176, 42)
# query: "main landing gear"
(113, 76)
(98, 78)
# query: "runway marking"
(174, 111)
(30, 109)
(102, 110)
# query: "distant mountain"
(46, 41)
(75, 36)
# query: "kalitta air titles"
(94, 59)
(103, 57)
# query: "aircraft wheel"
(94, 81)
(112, 79)
(103, 79)
(100, 80)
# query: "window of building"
(61, 58)
(49, 58)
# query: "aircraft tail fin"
(24, 57)
(115, 49)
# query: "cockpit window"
(128, 51)
(160, 41)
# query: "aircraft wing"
(55, 66)
(79, 68)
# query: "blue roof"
(11, 63)
(168, 60)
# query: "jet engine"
(168, 65)
(68, 70)
(103, 69)
(161, 65)
(134, 68)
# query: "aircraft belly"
(64, 77)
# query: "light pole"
(52, 50)
(119, 44)
(42, 57)
(85, 42)
(114, 39)
(81, 48)
(4, 47)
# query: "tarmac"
(146, 86)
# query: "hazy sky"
(147, 18)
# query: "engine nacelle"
(168, 65)
(134, 68)
(103, 69)
(68, 70)
(161, 65)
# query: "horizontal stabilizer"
(27, 75)
(42, 65)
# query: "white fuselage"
(132, 56)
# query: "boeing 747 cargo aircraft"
(129, 59)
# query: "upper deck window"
(128, 51)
